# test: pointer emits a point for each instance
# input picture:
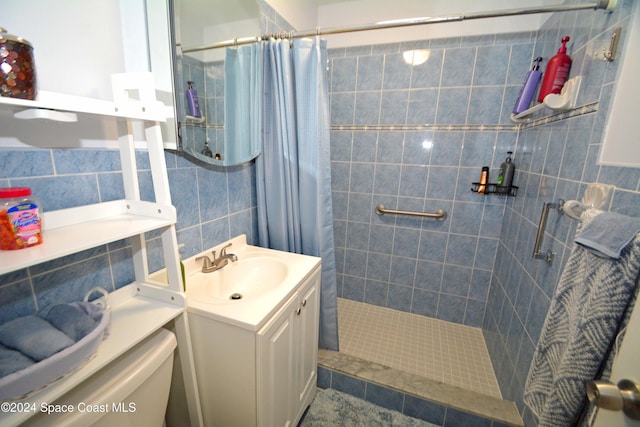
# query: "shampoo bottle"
(192, 101)
(528, 88)
(484, 178)
(557, 72)
(505, 176)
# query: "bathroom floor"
(443, 351)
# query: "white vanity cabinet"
(287, 358)
(263, 378)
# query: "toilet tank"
(132, 391)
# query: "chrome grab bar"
(548, 256)
(440, 215)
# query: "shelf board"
(133, 318)
(69, 231)
(155, 111)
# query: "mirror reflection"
(200, 78)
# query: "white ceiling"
(212, 12)
(202, 13)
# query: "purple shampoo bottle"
(192, 101)
(528, 88)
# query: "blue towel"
(607, 234)
(33, 337)
(70, 320)
(584, 317)
(12, 361)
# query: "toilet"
(132, 391)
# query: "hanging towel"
(608, 233)
(586, 309)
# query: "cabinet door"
(306, 345)
(276, 359)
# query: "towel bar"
(440, 215)
(548, 256)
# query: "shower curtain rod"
(600, 4)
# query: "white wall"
(203, 22)
(360, 12)
(77, 44)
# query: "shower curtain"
(242, 103)
(293, 174)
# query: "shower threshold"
(439, 398)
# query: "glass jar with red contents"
(17, 67)
(20, 219)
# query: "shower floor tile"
(443, 351)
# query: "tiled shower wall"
(414, 137)
(554, 161)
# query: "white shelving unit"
(72, 230)
(140, 308)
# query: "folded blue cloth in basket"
(607, 234)
(33, 337)
(12, 361)
(70, 320)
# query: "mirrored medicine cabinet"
(199, 23)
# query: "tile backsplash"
(213, 204)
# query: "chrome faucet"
(209, 266)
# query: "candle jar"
(17, 68)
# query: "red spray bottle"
(556, 73)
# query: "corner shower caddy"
(492, 188)
(140, 308)
(565, 100)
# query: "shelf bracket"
(42, 113)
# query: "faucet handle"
(223, 251)
(206, 261)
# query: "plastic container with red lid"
(20, 219)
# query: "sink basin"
(248, 291)
(245, 278)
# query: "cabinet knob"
(298, 311)
(304, 302)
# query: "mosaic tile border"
(468, 128)
(525, 124)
